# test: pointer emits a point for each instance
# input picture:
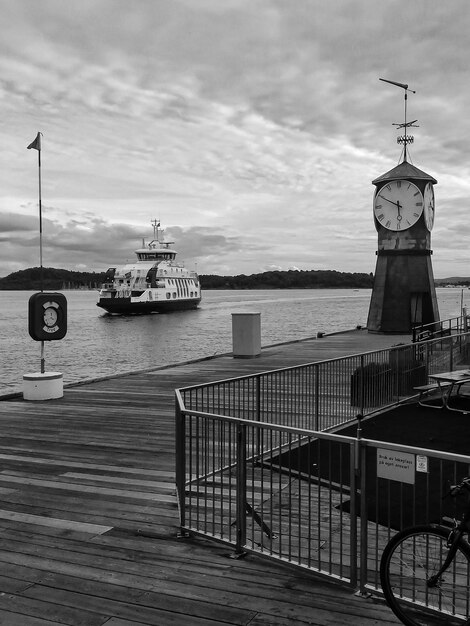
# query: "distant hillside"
(453, 280)
(310, 279)
(292, 279)
(54, 279)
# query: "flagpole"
(41, 276)
(40, 222)
(36, 145)
(41, 271)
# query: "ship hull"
(124, 306)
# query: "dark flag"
(36, 144)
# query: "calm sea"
(97, 344)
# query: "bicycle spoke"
(409, 564)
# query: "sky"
(252, 129)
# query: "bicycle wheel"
(409, 559)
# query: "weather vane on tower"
(403, 139)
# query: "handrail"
(432, 330)
(259, 466)
(325, 394)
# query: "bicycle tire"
(407, 562)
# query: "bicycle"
(425, 571)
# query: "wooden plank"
(135, 495)
(18, 619)
(141, 609)
(51, 612)
(93, 529)
(105, 468)
(119, 480)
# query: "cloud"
(253, 128)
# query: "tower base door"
(421, 308)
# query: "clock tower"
(403, 294)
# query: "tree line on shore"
(55, 279)
(52, 279)
(291, 279)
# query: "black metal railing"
(259, 468)
(442, 328)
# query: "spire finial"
(403, 139)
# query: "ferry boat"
(155, 282)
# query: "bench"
(424, 390)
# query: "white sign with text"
(395, 465)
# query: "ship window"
(167, 296)
(174, 295)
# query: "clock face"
(428, 198)
(50, 316)
(398, 205)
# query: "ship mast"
(155, 224)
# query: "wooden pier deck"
(88, 514)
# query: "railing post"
(241, 490)
(362, 383)
(363, 542)
(258, 398)
(353, 486)
(258, 449)
(317, 398)
(180, 469)
(427, 360)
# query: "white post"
(246, 335)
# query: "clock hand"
(391, 201)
